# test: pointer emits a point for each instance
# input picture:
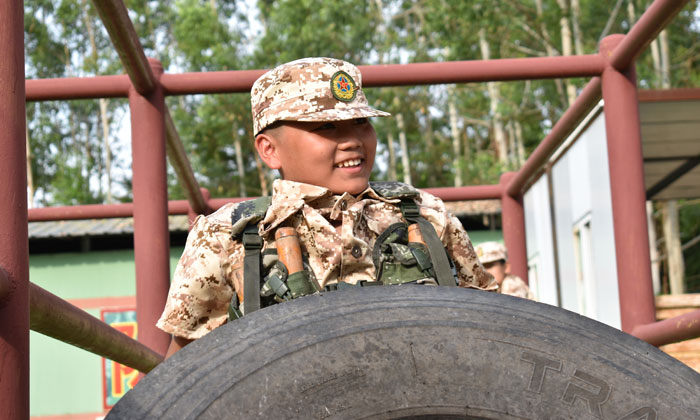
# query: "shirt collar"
(288, 197)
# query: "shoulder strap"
(245, 218)
(248, 213)
(394, 189)
(437, 252)
(252, 268)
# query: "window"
(533, 264)
(585, 283)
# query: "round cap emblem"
(343, 87)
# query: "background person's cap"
(310, 89)
(491, 252)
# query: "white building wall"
(540, 249)
(581, 190)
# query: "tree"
(472, 132)
(215, 129)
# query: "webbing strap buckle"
(410, 210)
(251, 239)
(278, 285)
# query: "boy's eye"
(326, 126)
(361, 121)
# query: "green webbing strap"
(252, 262)
(437, 252)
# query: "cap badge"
(343, 87)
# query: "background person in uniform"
(311, 123)
(495, 260)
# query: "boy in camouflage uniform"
(494, 258)
(311, 123)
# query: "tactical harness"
(396, 260)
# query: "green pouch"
(397, 273)
(402, 254)
(397, 261)
(284, 286)
(300, 284)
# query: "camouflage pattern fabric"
(337, 233)
(303, 90)
(249, 211)
(491, 251)
(515, 286)
(394, 189)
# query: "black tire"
(415, 352)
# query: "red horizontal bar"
(576, 112)
(97, 211)
(672, 330)
(234, 81)
(405, 74)
(653, 21)
(482, 70)
(108, 211)
(77, 88)
(240, 81)
(89, 211)
(474, 192)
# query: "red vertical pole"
(151, 236)
(627, 188)
(513, 221)
(14, 250)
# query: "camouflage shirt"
(515, 286)
(337, 234)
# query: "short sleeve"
(455, 239)
(469, 269)
(201, 290)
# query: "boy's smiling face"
(338, 155)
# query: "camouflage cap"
(491, 252)
(310, 89)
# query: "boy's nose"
(349, 138)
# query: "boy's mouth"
(350, 163)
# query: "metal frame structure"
(154, 136)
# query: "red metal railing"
(106, 211)
(240, 81)
(672, 330)
(465, 71)
(54, 317)
(14, 258)
(77, 88)
(568, 121)
(628, 194)
(653, 20)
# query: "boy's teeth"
(351, 162)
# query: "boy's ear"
(266, 146)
